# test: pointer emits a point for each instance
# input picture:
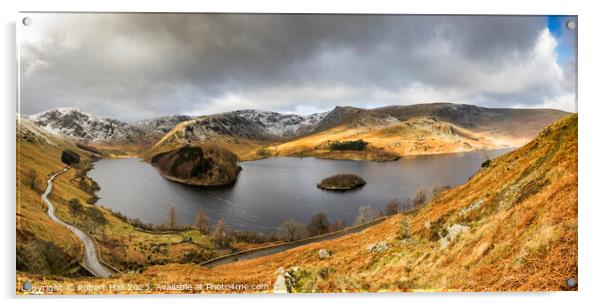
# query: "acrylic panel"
(292, 153)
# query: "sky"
(137, 66)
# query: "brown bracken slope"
(511, 227)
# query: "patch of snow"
(81, 126)
(277, 124)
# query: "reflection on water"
(272, 190)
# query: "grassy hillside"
(38, 155)
(417, 136)
(511, 227)
(244, 148)
(40, 240)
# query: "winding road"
(273, 249)
(90, 261)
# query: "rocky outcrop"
(198, 165)
(451, 233)
(323, 254)
(378, 247)
(280, 284)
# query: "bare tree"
(437, 189)
(420, 198)
(338, 225)
(393, 207)
(202, 222)
(171, 218)
(365, 215)
(485, 154)
(406, 205)
(318, 225)
(292, 230)
(220, 235)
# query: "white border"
(590, 97)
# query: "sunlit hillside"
(511, 227)
(46, 247)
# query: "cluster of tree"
(293, 230)
(221, 235)
(70, 157)
(421, 197)
(365, 215)
(348, 145)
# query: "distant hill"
(85, 127)
(155, 128)
(391, 131)
(80, 126)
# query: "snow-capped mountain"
(84, 127)
(272, 124)
(250, 124)
(256, 126)
(156, 127)
(161, 124)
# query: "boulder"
(378, 247)
(323, 254)
(280, 282)
(452, 233)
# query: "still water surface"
(272, 190)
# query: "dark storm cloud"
(132, 66)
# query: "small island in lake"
(198, 165)
(341, 182)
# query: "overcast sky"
(134, 66)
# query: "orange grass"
(523, 237)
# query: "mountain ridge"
(392, 131)
(254, 134)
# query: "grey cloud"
(132, 66)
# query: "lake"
(270, 191)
